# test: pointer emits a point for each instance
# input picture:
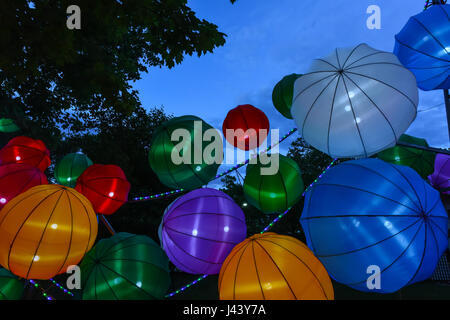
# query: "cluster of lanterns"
(355, 103)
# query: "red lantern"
(26, 150)
(105, 186)
(16, 178)
(253, 125)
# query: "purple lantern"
(199, 230)
(440, 179)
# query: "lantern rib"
(174, 256)
(89, 219)
(422, 258)
(317, 98)
(230, 258)
(107, 282)
(331, 113)
(351, 53)
(366, 191)
(362, 216)
(237, 269)
(203, 238)
(43, 233)
(312, 84)
(445, 12)
(437, 75)
(435, 242)
(256, 269)
(376, 106)
(200, 197)
(432, 35)
(370, 245)
(126, 279)
(385, 178)
(376, 63)
(410, 184)
(24, 221)
(212, 213)
(276, 266)
(6, 214)
(364, 57)
(354, 118)
(71, 232)
(439, 228)
(315, 276)
(107, 251)
(395, 260)
(327, 62)
(386, 84)
(419, 51)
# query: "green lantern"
(420, 160)
(11, 288)
(282, 94)
(190, 174)
(125, 267)
(273, 193)
(70, 168)
(8, 126)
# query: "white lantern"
(355, 102)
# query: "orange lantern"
(273, 267)
(44, 230)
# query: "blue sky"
(268, 39)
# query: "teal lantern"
(191, 170)
(11, 288)
(125, 267)
(283, 93)
(70, 168)
(276, 192)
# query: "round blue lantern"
(423, 46)
(370, 221)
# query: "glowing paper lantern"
(16, 178)
(273, 267)
(11, 288)
(420, 160)
(200, 228)
(250, 127)
(355, 102)
(70, 168)
(8, 126)
(276, 192)
(26, 150)
(423, 46)
(125, 267)
(44, 230)
(283, 93)
(440, 179)
(190, 175)
(105, 186)
(368, 217)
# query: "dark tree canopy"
(52, 76)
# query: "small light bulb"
(111, 194)
(54, 226)
(194, 232)
(226, 228)
(36, 258)
(2, 200)
(18, 158)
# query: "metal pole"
(447, 109)
(435, 150)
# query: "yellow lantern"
(44, 230)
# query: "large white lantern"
(355, 102)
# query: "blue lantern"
(423, 46)
(375, 226)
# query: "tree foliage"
(52, 78)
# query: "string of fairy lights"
(267, 228)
